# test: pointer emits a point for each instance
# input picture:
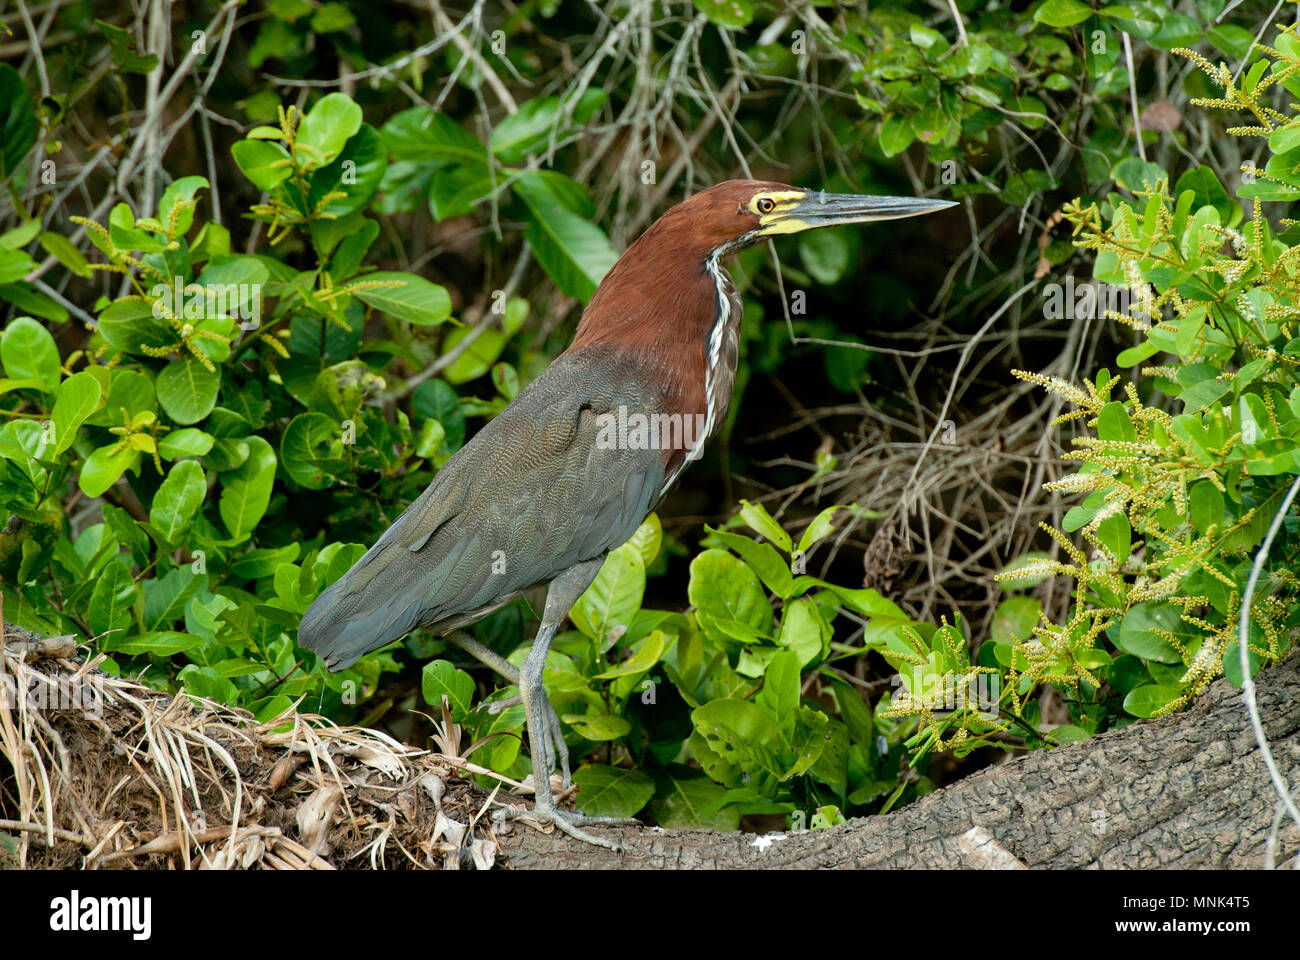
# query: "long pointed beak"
(823, 209)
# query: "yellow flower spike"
(274, 344)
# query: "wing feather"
(531, 495)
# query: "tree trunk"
(1185, 791)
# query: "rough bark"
(1185, 791)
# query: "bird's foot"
(544, 815)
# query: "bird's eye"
(765, 205)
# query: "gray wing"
(532, 494)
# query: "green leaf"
(826, 255)
(598, 726)
(1205, 506)
(159, 643)
(327, 127)
(440, 678)
(346, 260)
(418, 136)
(1176, 30)
(865, 601)
(126, 235)
(529, 129)
(175, 203)
(646, 656)
(213, 241)
(804, 630)
(189, 442)
(1137, 632)
(1114, 423)
(759, 520)
(187, 389)
(613, 598)
(741, 733)
(573, 251)
(207, 683)
(177, 500)
(265, 164)
(78, 398)
(102, 469)
(256, 564)
(1116, 535)
(20, 235)
(28, 300)
(14, 265)
(728, 14)
(648, 539)
(17, 121)
(129, 391)
(28, 352)
(526, 129)
(1207, 191)
(122, 44)
(477, 358)
(1015, 618)
(1235, 41)
(1134, 174)
(61, 249)
(1135, 355)
(1232, 661)
(129, 325)
(308, 450)
(896, 135)
(692, 803)
(855, 713)
(246, 491)
(820, 528)
(1062, 13)
(762, 558)
(1148, 699)
(343, 387)
(332, 17)
(356, 172)
(726, 593)
(111, 599)
(811, 739)
(436, 400)
(1200, 395)
(415, 300)
(165, 598)
(780, 693)
(611, 791)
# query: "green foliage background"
(182, 474)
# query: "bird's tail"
(397, 585)
(341, 640)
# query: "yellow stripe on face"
(774, 224)
(775, 221)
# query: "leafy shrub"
(720, 684)
(239, 375)
(1177, 502)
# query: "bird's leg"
(563, 593)
(484, 655)
(553, 742)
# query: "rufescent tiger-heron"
(545, 490)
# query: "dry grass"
(100, 772)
